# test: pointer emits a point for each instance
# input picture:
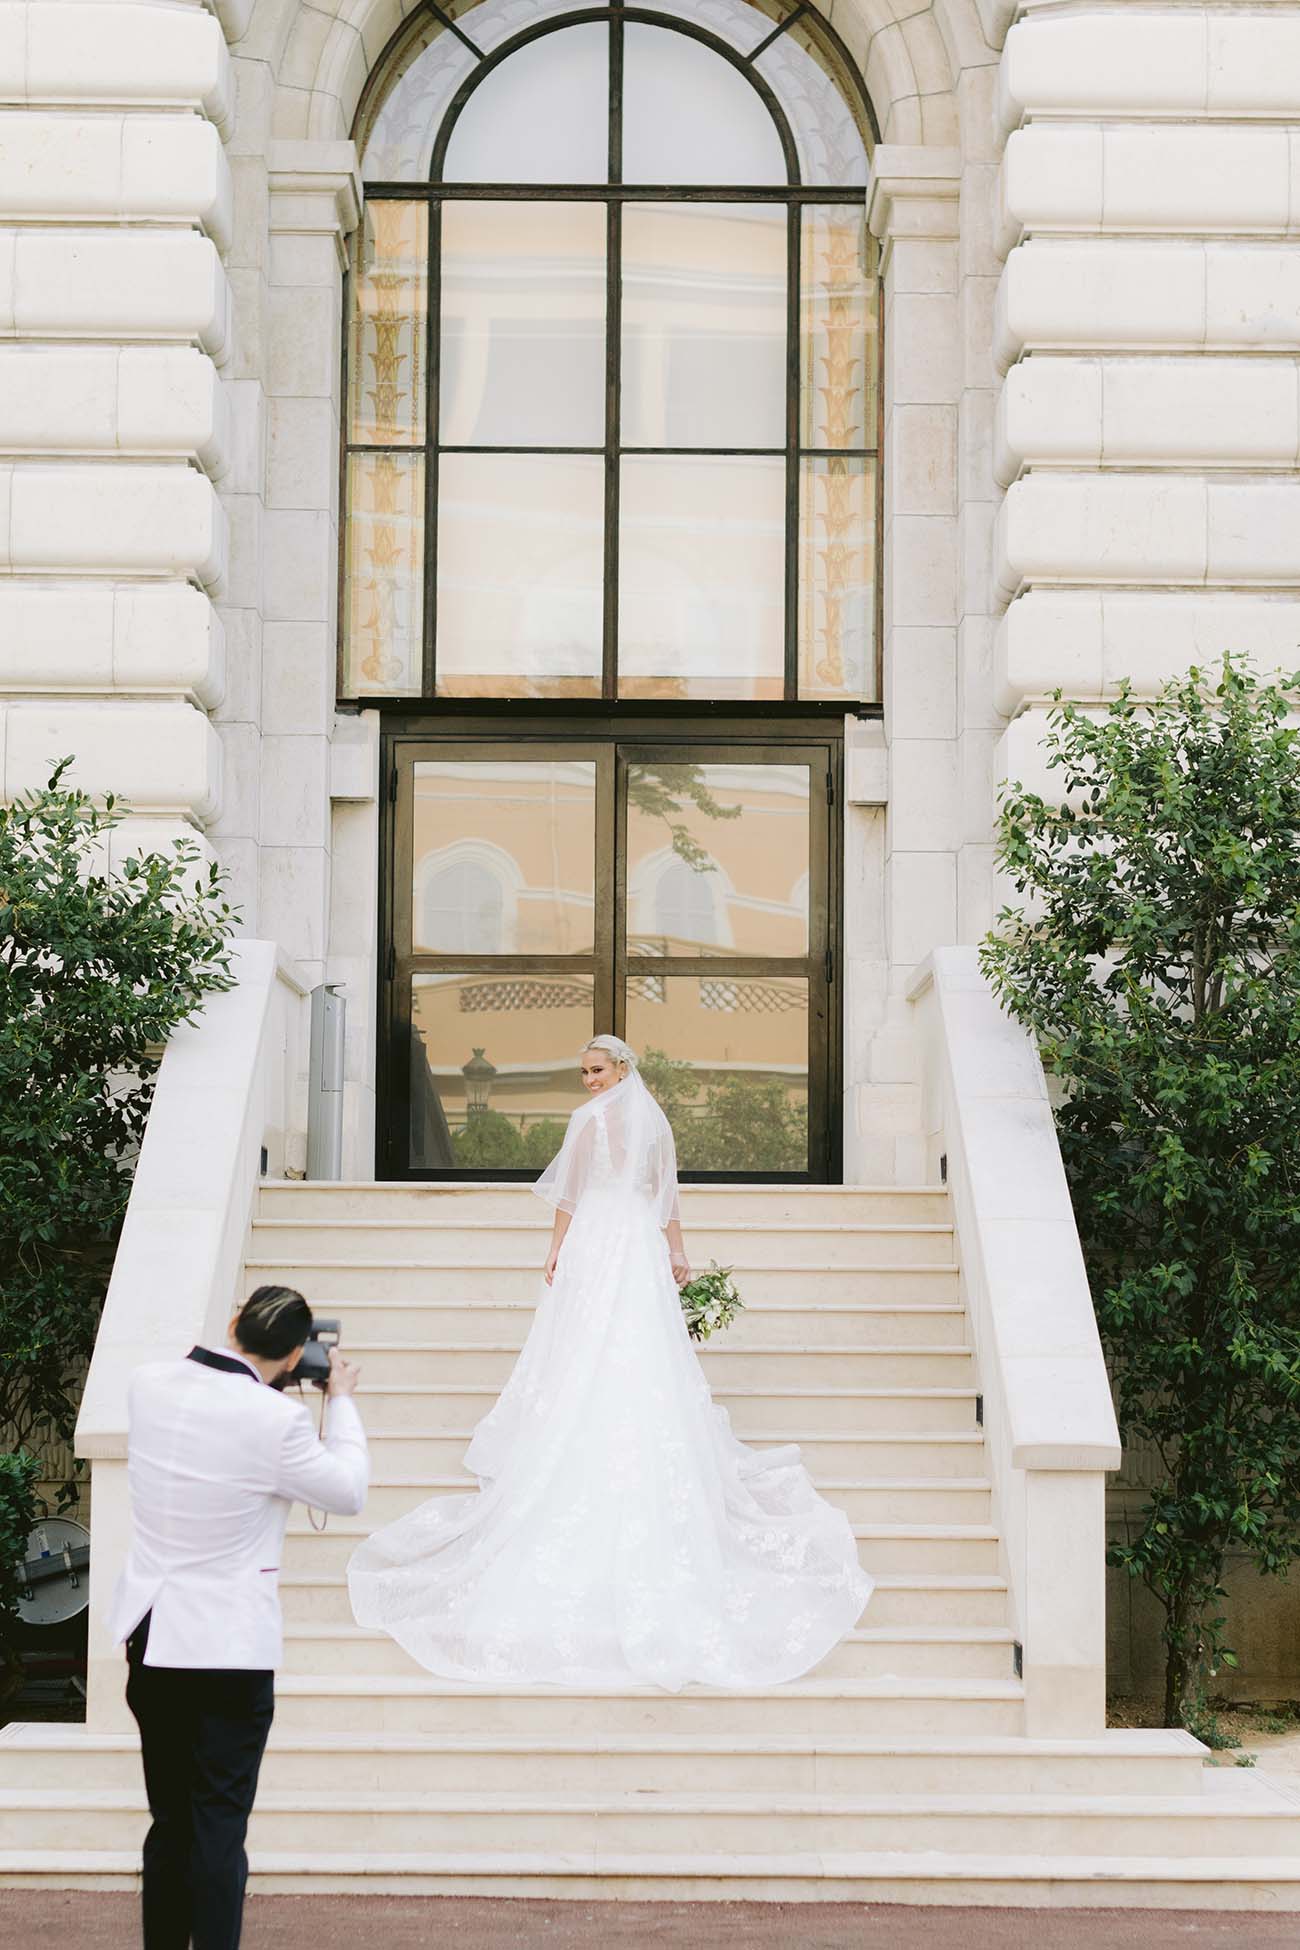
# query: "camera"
(314, 1367)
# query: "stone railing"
(1049, 1422)
(229, 1107)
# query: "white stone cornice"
(315, 189)
(914, 194)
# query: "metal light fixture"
(478, 1074)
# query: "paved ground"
(96, 1922)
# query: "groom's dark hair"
(272, 1322)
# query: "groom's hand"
(344, 1375)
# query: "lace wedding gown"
(621, 1533)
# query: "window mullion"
(432, 413)
(613, 362)
(793, 401)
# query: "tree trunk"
(1183, 1661)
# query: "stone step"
(900, 1598)
(945, 1500)
(964, 1549)
(514, 1242)
(934, 1877)
(809, 1707)
(701, 1204)
(331, 1283)
(768, 1415)
(905, 1321)
(430, 1363)
(1120, 1763)
(876, 1652)
(1175, 1826)
(911, 1453)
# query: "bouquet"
(710, 1301)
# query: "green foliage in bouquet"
(710, 1301)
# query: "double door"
(678, 892)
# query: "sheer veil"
(618, 1141)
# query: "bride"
(620, 1533)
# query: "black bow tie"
(226, 1362)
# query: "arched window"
(464, 907)
(686, 908)
(611, 390)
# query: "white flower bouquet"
(710, 1301)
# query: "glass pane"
(383, 620)
(837, 525)
(397, 137)
(523, 325)
(504, 858)
(542, 116)
(704, 325)
(838, 328)
(520, 568)
(386, 353)
(702, 577)
(829, 141)
(717, 859)
(690, 117)
(518, 1037)
(727, 1058)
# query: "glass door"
(678, 893)
(722, 945)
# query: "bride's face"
(599, 1071)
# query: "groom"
(216, 1456)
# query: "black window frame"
(615, 195)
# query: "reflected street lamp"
(478, 1074)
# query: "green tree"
(95, 973)
(663, 791)
(1158, 962)
(18, 1514)
(738, 1123)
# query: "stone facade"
(1089, 217)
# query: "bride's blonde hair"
(613, 1046)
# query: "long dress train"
(621, 1534)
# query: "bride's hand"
(681, 1269)
(551, 1260)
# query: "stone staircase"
(898, 1770)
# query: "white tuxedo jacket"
(215, 1458)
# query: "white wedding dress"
(621, 1534)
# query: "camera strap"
(225, 1362)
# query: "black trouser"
(202, 1734)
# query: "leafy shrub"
(19, 1474)
(95, 973)
(1158, 963)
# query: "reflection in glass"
(727, 1057)
(702, 577)
(704, 325)
(520, 575)
(690, 117)
(541, 116)
(827, 138)
(383, 618)
(493, 1066)
(386, 377)
(837, 515)
(717, 859)
(503, 859)
(523, 325)
(838, 328)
